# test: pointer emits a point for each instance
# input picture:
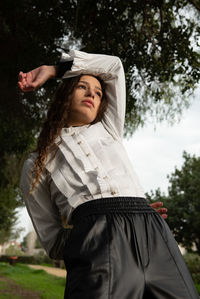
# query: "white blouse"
(90, 163)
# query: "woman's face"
(85, 101)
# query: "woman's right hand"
(34, 79)
(158, 207)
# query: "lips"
(88, 103)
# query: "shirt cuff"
(63, 67)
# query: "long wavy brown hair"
(57, 118)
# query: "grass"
(49, 286)
(4, 286)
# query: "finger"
(20, 85)
(35, 85)
(156, 205)
(22, 80)
(30, 78)
(25, 87)
(21, 76)
(163, 210)
(164, 216)
(29, 84)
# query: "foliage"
(50, 286)
(38, 244)
(156, 40)
(7, 211)
(14, 251)
(27, 259)
(183, 202)
(158, 43)
(193, 263)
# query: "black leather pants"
(120, 248)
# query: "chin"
(79, 123)
(81, 118)
(87, 119)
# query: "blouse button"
(113, 192)
(73, 134)
(88, 155)
(79, 142)
(105, 177)
(96, 168)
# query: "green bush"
(35, 260)
(193, 262)
(14, 250)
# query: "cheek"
(99, 103)
(98, 108)
(74, 99)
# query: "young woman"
(119, 246)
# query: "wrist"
(52, 70)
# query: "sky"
(154, 153)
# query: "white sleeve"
(110, 69)
(43, 213)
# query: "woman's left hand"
(34, 79)
(157, 206)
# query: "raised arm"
(109, 68)
(44, 214)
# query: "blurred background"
(159, 45)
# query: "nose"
(90, 92)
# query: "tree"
(157, 41)
(14, 250)
(183, 202)
(29, 37)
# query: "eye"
(81, 86)
(99, 94)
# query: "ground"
(53, 271)
(10, 290)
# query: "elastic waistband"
(112, 205)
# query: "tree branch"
(161, 18)
(144, 19)
(195, 4)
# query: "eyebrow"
(88, 84)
